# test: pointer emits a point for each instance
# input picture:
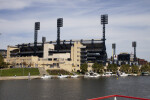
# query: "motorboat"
(46, 76)
(145, 73)
(62, 76)
(74, 76)
(123, 74)
(132, 74)
(91, 74)
(107, 74)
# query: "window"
(55, 59)
(50, 54)
(49, 59)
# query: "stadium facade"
(60, 54)
(72, 54)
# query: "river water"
(74, 89)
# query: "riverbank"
(31, 77)
(19, 77)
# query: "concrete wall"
(47, 47)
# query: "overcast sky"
(129, 20)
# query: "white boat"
(46, 76)
(135, 75)
(91, 75)
(132, 75)
(74, 76)
(62, 76)
(107, 74)
(123, 74)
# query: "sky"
(128, 21)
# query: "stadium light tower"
(59, 24)
(37, 27)
(43, 41)
(134, 46)
(114, 51)
(104, 20)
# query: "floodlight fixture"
(60, 22)
(37, 25)
(104, 19)
(113, 46)
(134, 44)
(43, 39)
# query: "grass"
(58, 72)
(19, 71)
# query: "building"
(60, 54)
(72, 53)
(142, 61)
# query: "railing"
(118, 96)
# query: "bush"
(125, 68)
(112, 67)
(145, 68)
(58, 72)
(98, 68)
(83, 68)
(2, 63)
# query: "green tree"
(83, 68)
(101, 68)
(125, 68)
(145, 68)
(135, 69)
(1, 60)
(112, 67)
(95, 67)
(98, 68)
(2, 63)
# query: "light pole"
(59, 24)
(23, 68)
(104, 21)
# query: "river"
(74, 89)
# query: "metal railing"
(115, 97)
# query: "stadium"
(59, 54)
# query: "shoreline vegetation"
(7, 73)
(33, 73)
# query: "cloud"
(13, 4)
(128, 21)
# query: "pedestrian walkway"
(42, 71)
